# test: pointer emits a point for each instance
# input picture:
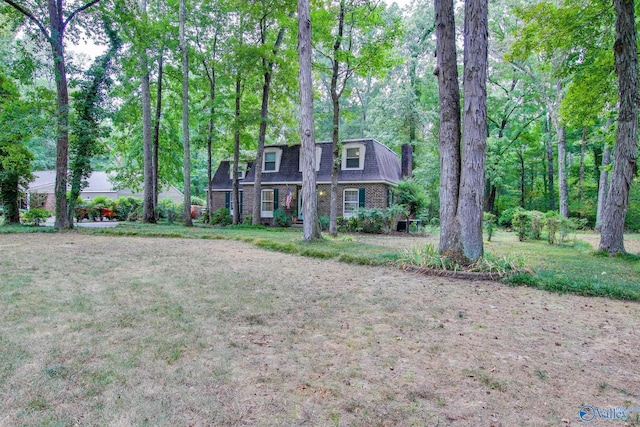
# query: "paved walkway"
(89, 224)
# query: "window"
(242, 170)
(318, 156)
(351, 203)
(268, 202)
(228, 201)
(353, 156)
(271, 160)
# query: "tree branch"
(29, 15)
(78, 10)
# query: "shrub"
(36, 216)
(521, 222)
(248, 219)
(323, 221)
(281, 219)
(552, 222)
(489, 223)
(168, 209)
(506, 217)
(128, 208)
(536, 223)
(198, 201)
(221, 217)
(374, 221)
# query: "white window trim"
(242, 170)
(344, 202)
(318, 156)
(263, 213)
(278, 152)
(362, 148)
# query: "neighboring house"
(41, 191)
(368, 173)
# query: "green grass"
(574, 268)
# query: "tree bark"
(148, 207)
(583, 150)
(186, 169)
(474, 134)
(562, 172)
(449, 130)
(311, 228)
(550, 172)
(267, 66)
(335, 134)
(626, 150)
(156, 130)
(603, 187)
(56, 22)
(236, 156)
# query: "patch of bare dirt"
(272, 339)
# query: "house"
(369, 171)
(41, 191)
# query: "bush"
(506, 217)
(521, 221)
(221, 217)
(168, 209)
(128, 208)
(248, 220)
(281, 219)
(489, 223)
(198, 201)
(36, 216)
(323, 221)
(536, 223)
(552, 222)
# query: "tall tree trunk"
(335, 134)
(311, 228)
(186, 169)
(148, 206)
(236, 155)
(449, 130)
(267, 66)
(522, 178)
(603, 186)
(550, 184)
(583, 150)
(156, 130)
(562, 173)
(56, 22)
(474, 134)
(626, 150)
(211, 76)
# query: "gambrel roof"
(381, 165)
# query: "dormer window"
(242, 170)
(353, 156)
(271, 160)
(318, 157)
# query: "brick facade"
(376, 196)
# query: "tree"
(185, 116)
(449, 126)
(462, 174)
(15, 158)
(359, 43)
(86, 130)
(626, 149)
(148, 205)
(268, 62)
(311, 227)
(58, 20)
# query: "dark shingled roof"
(380, 165)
